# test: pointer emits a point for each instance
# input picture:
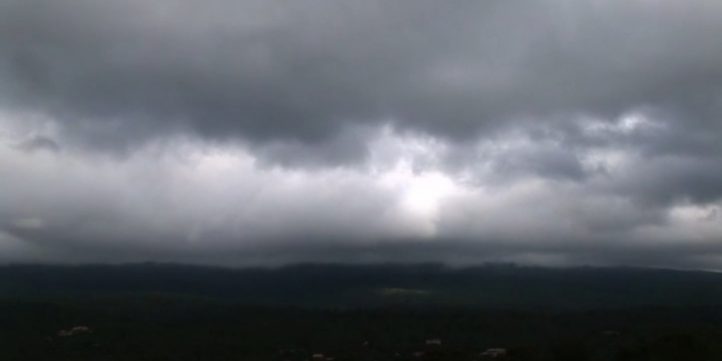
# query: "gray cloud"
(39, 143)
(567, 131)
(271, 71)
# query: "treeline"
(348, 286)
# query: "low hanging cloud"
(264, 132)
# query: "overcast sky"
(559, 132)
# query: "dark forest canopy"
(349, 286)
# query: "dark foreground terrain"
(426, 312)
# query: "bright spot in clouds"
(424, 192)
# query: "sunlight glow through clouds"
(420, 194)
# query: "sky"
(224, 132)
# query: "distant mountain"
(360, 286)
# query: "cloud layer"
(230, 132)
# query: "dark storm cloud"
(269, 71)
(230, 131)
